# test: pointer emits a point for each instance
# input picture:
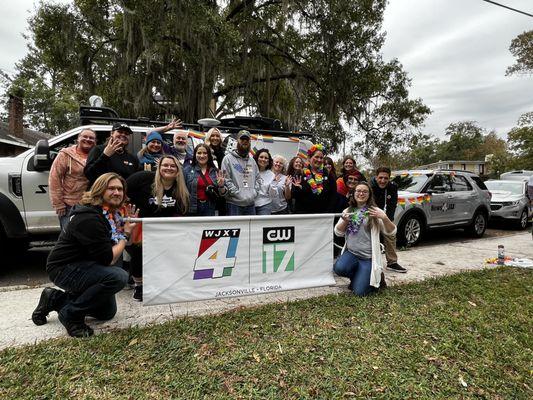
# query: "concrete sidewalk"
(422, 262)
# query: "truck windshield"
(513, 187)
(411, 182)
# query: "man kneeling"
(82, 262)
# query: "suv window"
(411, 183)
(460, 184)
(101, 136)
(440, 183)
(479, 182)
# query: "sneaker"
(76, 328)
(130, 285)
(138, 293)
(43, 308)
(395, 267)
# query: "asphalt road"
(29, 269)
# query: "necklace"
(116, 221)
(315, 181)
(357, 220)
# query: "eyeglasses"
(362, 191)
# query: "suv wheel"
(410, 230)
(522, 221)
(479, 225)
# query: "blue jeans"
(357, 269)
(264, 210)
(90, 290)
(205, 209)
(64, 219)
(234, 209)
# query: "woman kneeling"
(361, 224)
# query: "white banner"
(187, 259)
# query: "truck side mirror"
(41, 158)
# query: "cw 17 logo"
(216, 254)
(278, 249)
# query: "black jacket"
(306, 202)
(387, 196)
(98, 164)
(87, 237)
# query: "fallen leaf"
(133, 341)
(462, 382)
(256, 357)
(472, 304)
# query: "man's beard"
(243, 149)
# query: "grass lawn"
(463, 336)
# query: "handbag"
(210, 190)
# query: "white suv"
(26, 214)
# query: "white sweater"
(377, 260)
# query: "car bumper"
(506, 212)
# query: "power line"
(509, 8)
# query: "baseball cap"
(119, 126)
(244, 133)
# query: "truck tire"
(12, 248)
(410, 230)
(522, 220)
(478, 225)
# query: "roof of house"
(29, 136)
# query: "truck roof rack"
(107, 116)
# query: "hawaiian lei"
(116, 221)
(315, 181)
(356, 220)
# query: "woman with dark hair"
(315, 192)
(348, 169)
(159, 194)
(294, 170)
(329, 164)
(204, 182)
(152, 152)
(361, 224)
(263, 201)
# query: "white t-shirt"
(264, 179)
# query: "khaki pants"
(389, 242)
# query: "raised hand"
(377, 213)
(131, 212)
(113, 146)
(297, 181)
(220, 178)
(174, 124)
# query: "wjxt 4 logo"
(278, 249)
(216, 254)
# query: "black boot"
(44, 307)
(76, 328)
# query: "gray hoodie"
(241, 178)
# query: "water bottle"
(501, 254)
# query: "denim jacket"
(192, 173)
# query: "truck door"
(465, 197)
(441, 199)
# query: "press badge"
(245, 184)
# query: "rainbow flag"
(412, 200)
(294, 139)
(401, 202)
(197, 135)
(253, 150)
(302, 154)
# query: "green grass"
(463, 336)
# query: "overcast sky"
(455, 52)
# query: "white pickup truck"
(26, 215)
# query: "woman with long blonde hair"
(159, 194)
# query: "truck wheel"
(410, 230)
(479, 225)
(522, 221)
(12, 248)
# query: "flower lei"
(314, 148)
(316, 181)
(116, 221)
(357, 220)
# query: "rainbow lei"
(357, 220)
(116, 221)
(313, 148)
(315, 181)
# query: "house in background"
(477, 167)
(14, 137)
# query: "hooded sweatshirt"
(87, 237)
(241, 179)
(66, 180)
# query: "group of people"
(94, 189)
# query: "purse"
(210, 190)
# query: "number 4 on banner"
(218, 260)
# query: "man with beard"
(82, 262)
(386, 197)
(112, 156)
(241, 174)
(67, 181)
(181, 150)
